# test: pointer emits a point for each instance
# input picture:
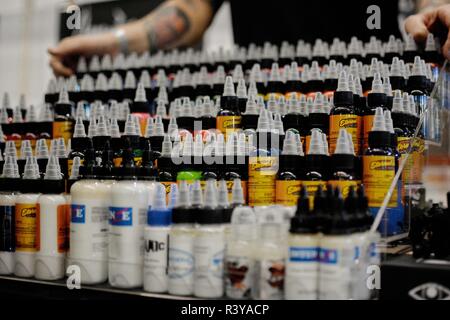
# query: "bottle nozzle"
(377, 84)
(159, 197)
(140, 93)
(25, 149)
(315, 145)
(237, 193)
(388, 121)
(241, 90)
(222, 197)
(10, 168)
(75, 173)
(53, 170)
(343, 82)
(211, 194)
(379, 124)
(196, 194)
(41, 149)
(228, 88)
(183, 195)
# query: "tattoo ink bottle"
(63, 121)
(302, 264)
(411, 50)
(25, 220)
(61, 154)
(208, 115)
(275, 85)
(343, 114)
(74, 173)
(156, 237)
(86, 93)
(94, 66)
(42, 155)
(128, 212)
(396, 77)
(331, 79)
(379, 164)
(239, 260)
(25, 152)
(263, 165)
(250, 116)
(53, 225)
(388, 91)
(9, 190)
(318, 118)
(101, 88)
(241, 93)
(431, 55)
(51, 95)
(228, 117)
(181, 244)
(209, 247)
(376, 98)
(293, 82)
(106, 65)
(417, 88)
(186, 118)
(101, 137)
(79, 143)
(269, 259)
(203, 87)
(315, 82)
(288, 178)
(165, 165)
(131, 137)
(115, 87)
(316, 165)
(218, 82)
(337, 251)
(191, 158)
(257, 77)
(89, 223)
(157, 135)
(235, 164)
(140, 107)
(343, 162)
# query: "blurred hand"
(436, 20)
(63, 57)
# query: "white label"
(302, 268)
(239, 277)
(209, 250)
(181, 264)
(335, 273)
(155, 259)
(270, 279)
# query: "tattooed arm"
(174, 23)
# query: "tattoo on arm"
(166, 27)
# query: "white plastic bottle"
(269, 257)
(239, 257)
(26, 224)
(209, 247)
(302, 263)
(337, 252)
(8, 191)
(156, 236)
(181, 244)
(128, 215)
(89, 224)
(53, 216)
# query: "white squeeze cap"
(130, 127)
(388, 120)
(396, 69)
(412, 106)
(10, 168)
(222, 194)
(237, 193)
(10, 149)
(377, 84)
(272, 103)
(137, 125)
(430, 44)
(410, 44)
(298, 141)
(53, 170)
(25, 149)
(387, 88)
(196, 193)
(278, 123)
(210, 194)
(17, 115)
(60, 151)
(31, 169)
(101, 83)
(290, 144)
(244, 223)
(79, 111)
(324, 144)
(228, 87)
(173, 195)
(417, 69)
(130, 80)
(31, 115)
(252, 90)
(41, 149)
(145, 79)
(197, 148)
(315, 145)
(75, 173)
(343, 82)
(140, 93)
(342, 144)
(101, 128)
(159, 197)
(241, 90)
(162, 95)
(114, 128)
(379, 124)
(264, 121)
(94, 64)
(318, 103)
(92, 127)
(149, 127)
(158, 128)
(397, 102)
(166, 149)
(172, 128)
(184, 199)
(161, 109)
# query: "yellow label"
(62, 129)
(378, 173)
(287, 192)
(311, 188)
(418, 160)
(137, 161)
(70, 165)
(262, 173)
(168, 186)
(26, 227)
(343, 121)
(367, 127)
(228, 124)
(344, 185)
(117, 162)
(403, 147)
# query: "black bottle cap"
(147, 171)
(208, 215)
(79, 144)
(375, 99)
(30, 185)
(343, 98)
(106, 171)
(417, 83)
(89, 169)
(363, 207)
(52, 186)
(343, 162)
(128, 170)
(303, 221)
(182, 215)
(9, 184)
(340, 220)
(397, 82)
(100, 141)
(319, 121)
(319, 163)
(116, 144)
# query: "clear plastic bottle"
(239, 259)
(9, 186)
(181, 244)
(89, 223)
(156, 236)
(53, 225)
(128, 211)
(26, 224)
